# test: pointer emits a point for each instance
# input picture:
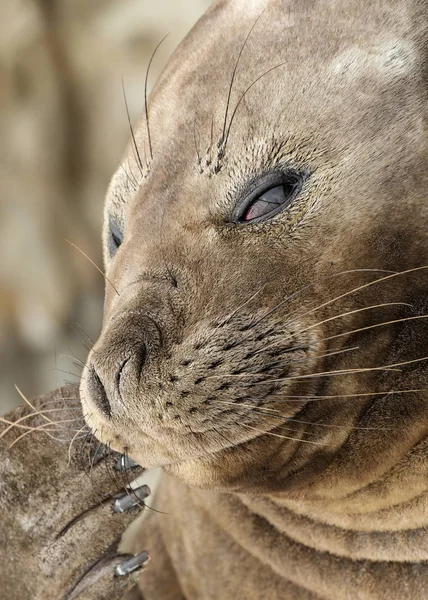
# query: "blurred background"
(63, 130)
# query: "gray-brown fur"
(58, 536)
(276, 371)
(332, 504)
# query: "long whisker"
(333, 337)
(134, 141)
(223, 136)
(241, 306)
(92, 459)
(146, 105)
(338, 372)
(350, 332)
(334, 318)
(230, 316)
(40, 428)
(129, 172)
(74, 358)
(305, 288)
(297, 398)
(95, 265)
(226, 139)
(69, 373)
(284, 437)
(211, 138)
(29, 403)
(16, 423)
(88, 337)
(317, 357)
(76, 331)
(362, 287)
(231, 445)
(392, 367)
(266, 410)
(73, 440)
(308, 376)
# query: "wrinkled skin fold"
(275, 369)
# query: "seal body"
(265, 328)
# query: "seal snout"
(116, 364)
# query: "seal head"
(265, 249)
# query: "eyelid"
(115, 229)
(259, 188)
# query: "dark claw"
(132, 564)
(124, 463)
(131, 499)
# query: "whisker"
(338, 372)
(223, 136)
(73, 439)
(315, 357)
(305, 288)
(29, 403)
(126, 483)
(16, 423)
(226, 139)
(230, 316)
(211, 138)
(146, 106)
(112, 475)
(284, 437)
(75, 361)
(12, 424)
(88, 337)
(266, 410)
(333, 318)
(326, 374)
(232, 445)
(92, 459)
(80, 377)
(95, 265)
(79, 333)
(364, 286)
(129, 172)
(391, 367)
(404, 319)
(161, 248)
(134, 141)
(311, 398)
(39, 428)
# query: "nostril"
(119, 375)
(142, 358)
(98, 392)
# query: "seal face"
(265, 249)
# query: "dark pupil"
(116, 237)
(269, 201)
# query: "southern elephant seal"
(265, 331)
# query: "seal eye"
(270, 202)
(115, 238)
